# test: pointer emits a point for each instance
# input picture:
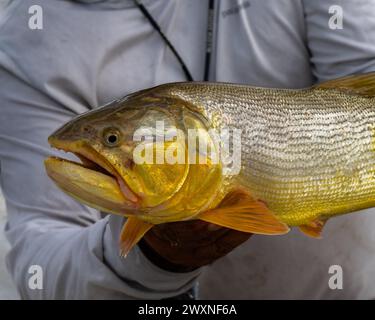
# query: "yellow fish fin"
(362, 84)
(132, 231)
(313, 229)
(240, 211)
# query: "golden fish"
(306, 155)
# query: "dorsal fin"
(361, 84)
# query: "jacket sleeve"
(76, 249)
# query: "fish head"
(114, 144)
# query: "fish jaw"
(93, 180)
(88, 186)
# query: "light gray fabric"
(88, 54)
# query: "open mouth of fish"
(94, 173)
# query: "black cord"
(210, 24)
(156, 26)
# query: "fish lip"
(85, 152)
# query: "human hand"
(187, 245)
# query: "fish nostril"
(88, 130)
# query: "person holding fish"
(306, 154)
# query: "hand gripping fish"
(306, 155)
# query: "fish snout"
(72, 132)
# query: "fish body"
(306, 155)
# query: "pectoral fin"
(240, 211)
(313, 229)
(132, 231)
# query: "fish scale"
(307, 154)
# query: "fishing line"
(156, 26)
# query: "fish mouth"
(92, 162)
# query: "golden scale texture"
(307, 154)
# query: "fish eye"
(111, 137)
